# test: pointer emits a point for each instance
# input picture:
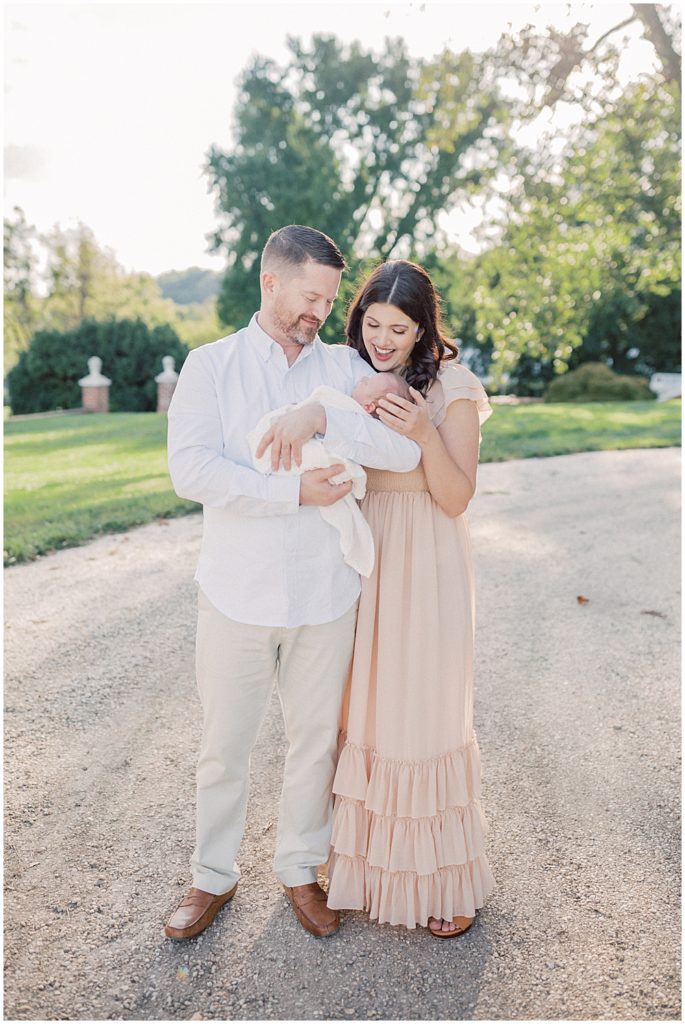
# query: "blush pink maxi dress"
(408, 828)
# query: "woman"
(408, 833)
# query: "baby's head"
(371, 389)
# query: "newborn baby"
(370, 389)
(356, 541)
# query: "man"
(276, 600)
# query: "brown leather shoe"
(196, 910)
(309, 904)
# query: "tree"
(76, 272)
(372, 149)
(590, 259)
(660, 33)
(553, 66)
(85, 280)
(55, 281)
(19, 277)
(198, 323)
(587, 264)
(188, 287)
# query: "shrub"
(596, 382)
(47, 374)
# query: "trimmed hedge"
(47, 374)
(596, 382)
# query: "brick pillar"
(166, 383)
(95, 388)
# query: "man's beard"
(295, 330)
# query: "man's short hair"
(296, 244)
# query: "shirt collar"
(266, 346)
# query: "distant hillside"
(187, 287)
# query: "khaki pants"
(237, 665)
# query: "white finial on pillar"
(95, 387)
(166, 383)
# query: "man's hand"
(289, 433)
(316, 488)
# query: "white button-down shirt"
(266, 560)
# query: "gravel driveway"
(577, 713)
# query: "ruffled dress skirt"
(408, 837)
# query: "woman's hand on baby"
(316, 487)
(290, 432)
(408, 418)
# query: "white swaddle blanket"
(356, 540)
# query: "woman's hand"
(407, 418)
(289, 433)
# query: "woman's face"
(389, 335)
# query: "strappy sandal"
(463, 924)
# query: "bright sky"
(110, 109)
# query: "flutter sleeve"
(456, 381)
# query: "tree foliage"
(553, 66)
(189, 287)
(85, 281)
(55, 281)
(20, 305)
(370, 148)
(590, 260)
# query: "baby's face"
(371, 389)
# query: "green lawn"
(524, 431)
(68, 478)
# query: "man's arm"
(199, 470)
(353, 435)
(363, 439)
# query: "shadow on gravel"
(271, 969)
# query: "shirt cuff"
(284, 490)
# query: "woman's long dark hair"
(405, 285)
